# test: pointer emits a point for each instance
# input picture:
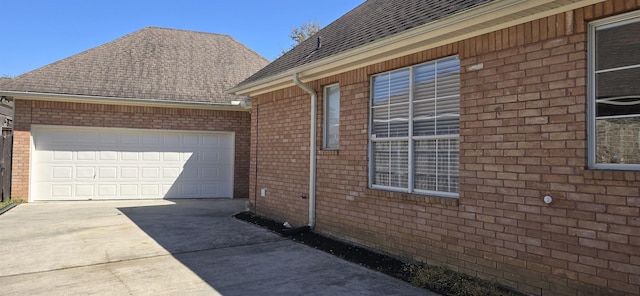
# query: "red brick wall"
(282, 152)
(523, 136)
(29, 112)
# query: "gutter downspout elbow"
(312, 150)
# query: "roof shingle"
(370, 21)
(152, 63)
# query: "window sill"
(611, 174)
(614, 167)
(334, 152)
(417, 198)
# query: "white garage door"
(71, 163)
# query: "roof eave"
(480, 20)
(234, 106)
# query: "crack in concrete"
(106, 253)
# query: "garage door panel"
(84, 191)
(85, 155)
(171, 156)
(125, 155)
(210, 142)
(189, 190)
(61, 156)
(82, 137)
(171, 173)
(171, 140)
(104, 163)
(209, 173)
(129, 190)
(107, 173)
(107, 190)
(150, 156)
(61, 191)
(210, 157)
(150, 190)
(61, 172)
(128, 138)
(152, 140)
(109, 138)
(85, 172)
(190, 173)
(108, 155)
(130, 173)
(190, 140)
(211, 189)
(150, 173)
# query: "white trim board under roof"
(233, 106)
(486, 18)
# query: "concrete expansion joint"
(82, 266)
(275, 240)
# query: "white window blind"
(415, 128)
(391, 104)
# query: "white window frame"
(410, 139)
(591, 89)
(326, 145)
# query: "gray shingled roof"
(152, 63)
(370, 21)
(4, 80)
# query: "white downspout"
(312, 150)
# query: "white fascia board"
(483, 19)
(121, 101)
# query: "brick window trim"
(411, 197)
(325, 151)
(597, 174)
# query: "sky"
(35, 33)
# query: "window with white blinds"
(414, 138)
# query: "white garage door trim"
(84, 163)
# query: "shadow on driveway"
(237, 258)
(180, 247)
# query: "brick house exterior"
(523, 135)
(154, 79)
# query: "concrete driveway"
(186, 247)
